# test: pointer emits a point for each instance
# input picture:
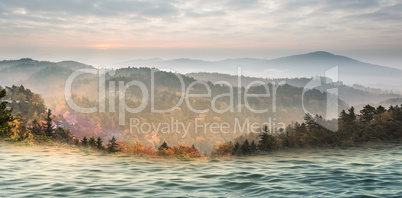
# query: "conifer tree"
(267, 142)
(63, 134)
(352, 115)
(84, 141)
(5, 117)
(112, 147)
(163, 146)
(253, 147)
(380, 109)
(245, 148)
(367, 113)
(36, 128)
(99, 143)
(236, 149)
(92, 142)
(48, 126)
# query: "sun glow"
(103, 46)
(99, 46)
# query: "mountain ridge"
(315, 54)
(351, 71)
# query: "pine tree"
(347, 125)
(236, 149)
(112, 147)
(262, 141)
(36, 128)
(92, 142)
(5, 117)
(245, 148)
(253, 147)
(84, 141)
(380, 109)
(310, 122)
(99, 144)
(163, 146)
(352, 115)
(367, 113)
(267, 142)
(343, 116)
(49, 127)
(63, 134)
(265, 130)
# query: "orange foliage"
(165, 152)
(180, 151)
(121, 145)
(223, 150)
(137, 149)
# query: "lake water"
(352, 172)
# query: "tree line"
(21, 127)
(371, 125)
(41, 129)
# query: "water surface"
(352, 172)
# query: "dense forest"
(25, 119)
(372, 125)
(284, 103)
(287, 101)
(36, 76)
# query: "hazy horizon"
(115, 62)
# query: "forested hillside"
(288, 109)
(283, 102)
(43, 77)
(353, 95)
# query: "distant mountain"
(393, 101)
(297, 66)
(352, 95)
(40, 76)
(137, 62)
(73, 65)
(374, 90)
(351, 71)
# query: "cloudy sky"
(107, 31)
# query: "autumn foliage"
(137, 148)
(223, 150)
(181, 151)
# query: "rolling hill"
(351, 71)
(353, 95)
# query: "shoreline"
(71, 148)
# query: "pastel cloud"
(273, 24)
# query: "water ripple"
(349, 172)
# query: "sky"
(102, 32)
